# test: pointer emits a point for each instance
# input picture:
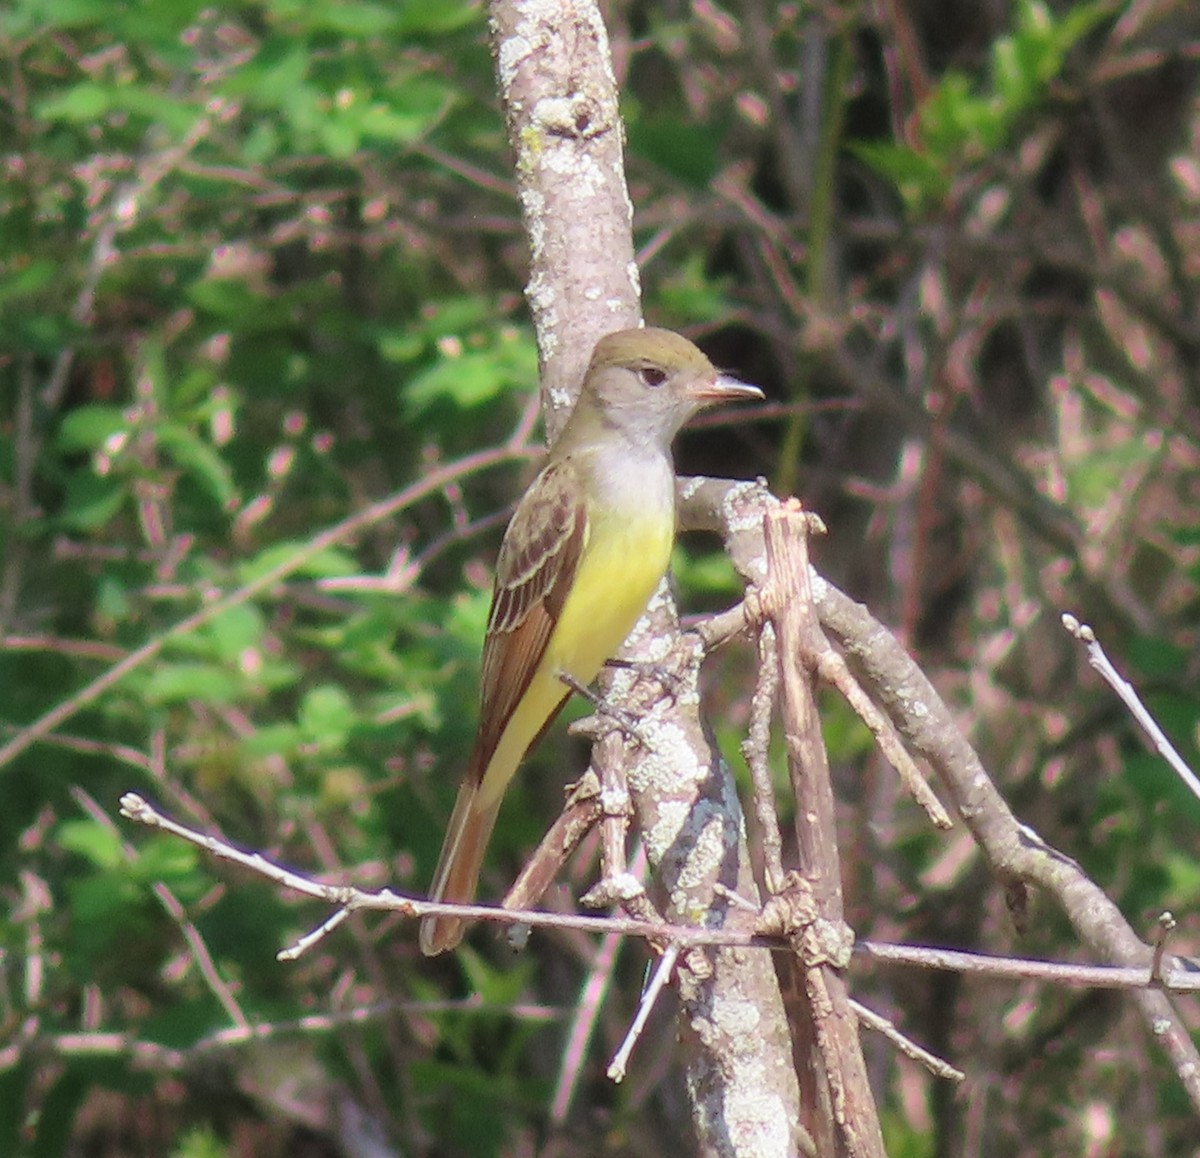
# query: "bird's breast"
(631, 527)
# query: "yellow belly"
(622, 564)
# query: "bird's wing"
(534, 574)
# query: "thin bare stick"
(831, 667)
(134, 807)
(932, 732)
(580, 812)
(934, 1064)
(83, 648)
(756, 749)
(1179, 980)
(615, 807)
(122, 753)
(1163, 929)
(662, 973)
(849, 1121)
(297, 950)
(152, 1055)
(718, 629)
(587, 1010)
(1126, 694)
(195, 942)
(583, 1025)
(347, 897)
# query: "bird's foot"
(595, 727)
(669, 680)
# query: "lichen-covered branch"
(560, 102)
(1014, 853)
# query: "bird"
(586, 547)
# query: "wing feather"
(534, 573)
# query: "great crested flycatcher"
(587, 546)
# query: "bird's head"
(646, 383)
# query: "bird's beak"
(723, 388)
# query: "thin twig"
(1125, 692)
(1162, 931)
(583, 1025)
(83, 648)
(1183, 978)
(662, 973)
(175, 910)
(847, 1119)
(934, 1064)
(756, 749)
(832, 668)
(153, 1055)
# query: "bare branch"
(1132, 701)
(935, 1065)
(1013, 851)
(834, 1051)
(662, 973)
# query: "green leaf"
(1183, 872)
(14, 1090)
(200, 462)
(90, 427)
(177, 682)
(56, 1119)
(231, 300)
(100, 903)
(83, 102)
(25, 281)
(261, 143)
(200, 1142)
(91, 501)
(273, 76)
(918, 177)
(95, 842)
(352, 19)
(91, 101)
(690, 292)
(172, 861)
(326, 717)
(341, 137)
(273, 740)
(709, 574)
(399, 345)
(1156, 659)
(23, 17)
(235, 630)
(439, 16)
(424, 104)
(683, 148)
(471, 378)
(40, 333)
(327, 563)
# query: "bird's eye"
(653, 375)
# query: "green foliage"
(961, 125)
(706, 578)
(467, 379)
(200, 1142)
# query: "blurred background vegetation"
(260, 268)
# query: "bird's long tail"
(457, 873)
